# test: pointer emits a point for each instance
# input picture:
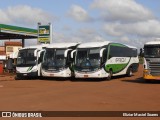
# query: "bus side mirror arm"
(35, 53)
(39, 53)
(66, 52)
(101, 52)
(72, 53)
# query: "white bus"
(57, 60)
(104, 60)
(29, 61)
(152, 61)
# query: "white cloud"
(148, 28)
(67, 28)
(23, 14)
(4, 17)
(99, 38)
(127, 21)
(88, 34)
(58, 37)
(125, 39)
(30, 42)
(79, 14)
(89, 31)
(112, 29)
(80, 35)
(122, 10)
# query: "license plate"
(85, 76)
(51, 74)
(24, 74)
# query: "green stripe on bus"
(29, 68)
(116, 44)
(116, 67)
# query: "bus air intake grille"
(155, 68)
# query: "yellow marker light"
(146, 72)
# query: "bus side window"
(41, 57)
(69, 60)
(114, 51)
(119, 51)
(134, 52)
(104, 58)
(74, 54)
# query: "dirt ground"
(119, 94)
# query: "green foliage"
(141, 60)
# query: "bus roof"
(36, 46)
(131, 46)
(62, 45)
(153, 43)
(93, 44)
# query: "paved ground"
(119, 94)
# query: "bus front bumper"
(148, 76)
(64, 73)
(31, 74)
(98, 74)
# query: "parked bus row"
(85, 60)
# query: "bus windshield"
(88, 58)
(53, 59)
(152, 51)
(26, 58)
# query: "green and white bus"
(104, 60)
(29, 61)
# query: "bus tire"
(40, 73)
(147, 81)
(16, 78)
(109, 75)
(129, 72)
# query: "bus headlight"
(17, 71)
(34, 69)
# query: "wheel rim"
(110, 75)
(130, 73)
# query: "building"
(2, 53)
(8, 49)
(11, 47)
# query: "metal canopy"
(15, 32)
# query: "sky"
(131, 22)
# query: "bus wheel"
(147, 81)
(16, 78)
(109, 75)
(129, 72)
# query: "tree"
(141, 52)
